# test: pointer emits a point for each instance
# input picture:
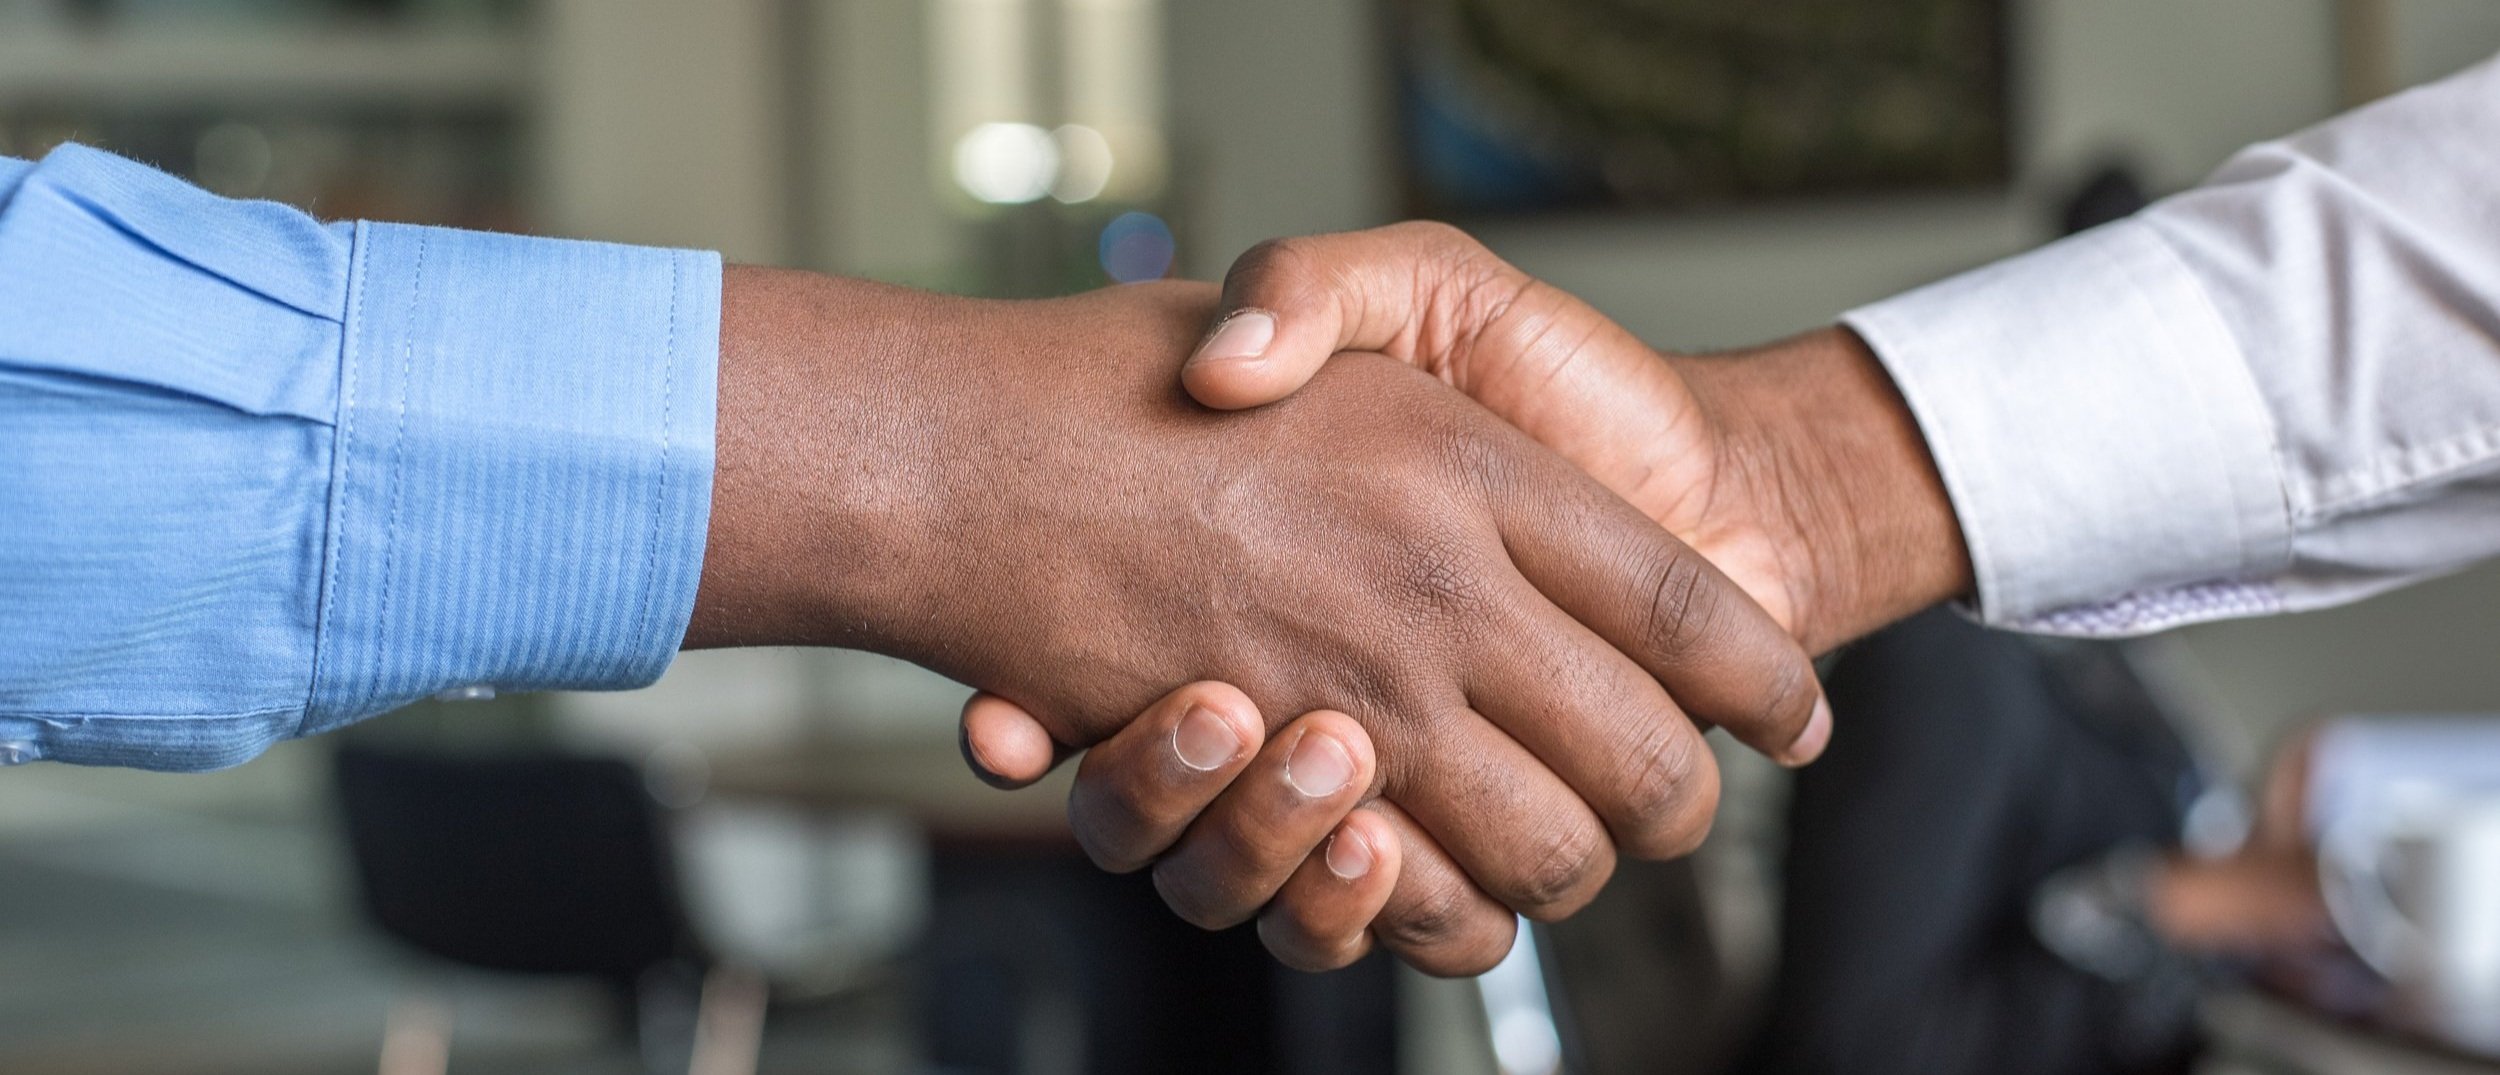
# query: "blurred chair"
(544, 864)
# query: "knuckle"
(1680, 828)
(1471, 456)
(1380, 687)
(1192, 899)
(1658, 788)
(1441, 577)
(1688, 837)
(1254, 849)
(1109, 820)
(1684, 607)
(1292, 940)
(1437, 233)
(1307, 921)
(1568, 876)
(1477, 286)
(1481, 959)
(1268, 263)
(1466, 959)
(1126, 799)
(1108, 854)
(1108, 857)
(1788, 699)
(1431, 921)
(1319, 961)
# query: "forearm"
(1823, 444)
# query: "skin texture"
(1796, 467)
(1019, 496)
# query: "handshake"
(1402, 607)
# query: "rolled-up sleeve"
(262, 476)
(2275, 392)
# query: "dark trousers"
(1966, 766)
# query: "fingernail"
(1243, 336)
(1818, 734)
(1349, 855)
(1319, 767)
(1203, 740)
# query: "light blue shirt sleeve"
(262, 476)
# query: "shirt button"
(475, 692)
(16, 752)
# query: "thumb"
(1004, 744)
(1290, 304)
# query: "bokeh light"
(1084, 163)
(1006, 163)
(1136, 247)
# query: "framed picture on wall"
(1509, 107)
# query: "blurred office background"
(814, 803)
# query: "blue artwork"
(1522, 106)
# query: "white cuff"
(2097, 429)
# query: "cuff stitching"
(659, 502)
(76, 716)
(2371, 482)
(2278, 553)
(342, 458)
(399, 440)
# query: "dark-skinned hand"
(1018, 495)
(1794, 467)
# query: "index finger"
(1718, 654)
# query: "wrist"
(818, 507)
(1825, 452)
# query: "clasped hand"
(1467, 826)
(1497, 652)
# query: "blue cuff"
(523, 469)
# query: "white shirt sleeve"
(2277, 391)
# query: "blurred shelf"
(180, 66)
